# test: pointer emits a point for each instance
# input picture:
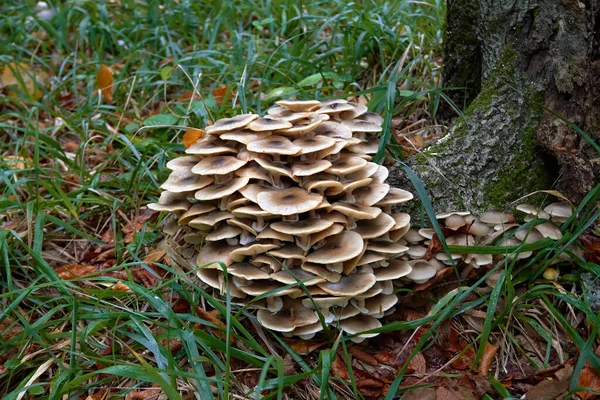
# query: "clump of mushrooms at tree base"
(290, 207)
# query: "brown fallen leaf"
(363, 356)
(488, 357)
(219, 94)
(592, 248)
(304, 347)
(589, 378)
(75, 271)
(443, 393)
(144, 394)
(191, 136)
(418, 364)
(154, 255)
(552, 388)
(339, 368)
(104, 79)
(420, 394)
(23, 79)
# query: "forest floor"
(97, 97)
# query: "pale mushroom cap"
(358, 110)
(561, 209)
(448, 214)
(386, 247)
(461, 239)
(416, 251)
(321, 271)
(289, 251)
(370, 146)
(351, 285)
(225, 231)
(218, 165)
(299, 105)
(289, 201)
(334, 107)
(346, 165)
(496, 217)
(325, 302)
(288, 318)
(219, 190)
(254, 171)
(341, 247)
(259, 287)
(478, 228)
(314, 144)
(185, 162)
(372, 117)
(308, 168)
(179, 205)
(396, 196)
(245, 136)
(396, 269)
(302, 227)
(333, 130)
(270, 233)
(533, 210)
(370, 257)
(230, 124)
(297, 274)
(529, 236)
(332, 230)
(360, 323)
(250, 250)
(380, 303)
(371, 194)
(304, 125)
(209, 219)
(373, 228)
(381, 174)
(356, 210)
(268, 123)
(274, 144)
(357, 125)
(549, 230)
(421, 272)
(247, 271)
(182, 180)
(195, 210)
(454, 222)
(215, 252)
(210, 147)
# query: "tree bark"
(530, 55)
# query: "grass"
(76, 172)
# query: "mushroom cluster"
(462, 228)
(291, 204)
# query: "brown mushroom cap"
(346, 165)
(209, 219)
(219, 190)
(371, 117)
(357, 211)
(332, 230)
(304, 125)
(268, 123)
(299, 105)
(218, 165)
(334, 107)
(294, 275)
(386, 247)
(270, 233)
(254, 171)
(397, 269)
(182, 180)
(370, 146)
(308, 168)
(215, 252)
(245, 136)
(293, 315)
(210, 147)
(395, 196)
(252, 190)
(373, 228)
(333, 130)
(259, 287)
(289, 251)
(250, 250)
(185, 162)
(224, 231)
(377, 305)
(275, 168)
(357, 125)
(274, 145)
(533, 210)
(421, 272)
(289, 201)
(496, 217)
(560, 209)
(371, 194)
(302, 227)
(247, 271)
(549, 230)
(230, 124)
(338, 248)
(321, 271)
(351, 285)
(194, 211)
(357, 111)
(360, 323)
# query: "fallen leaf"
(443, 393)
(488, 357)
(149, 279)
(420, 394)
(8, 225)
(589, 378)
(154, 255)
(435, 245)
(339, 368)
(75, 271)
(418, 364)
(191, 136)
(21, 77)
(121, 287)
(363, 356)
(144, 394)
(104, 78)
(552, 388)
(592, 247)
(16, 162)
(219, 94)
(304, 347)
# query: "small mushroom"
(351, 285)
(230, 124)
(289, 201)
(268, 123)
(292, 315)
(360, 323)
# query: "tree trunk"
(530, 55)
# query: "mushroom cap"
(332, 230)
(210, 147)
(224, 231)
(219, 190)
(369, 146)
(294, 275)
(529, 236)
(533, 210)
(341, 247)
(560, 209)
(274, 145)
(351, 285)
(252, 190)
(321, 271)
(372, 117)
(247, 271)
(320, 184)
(252, 210)
(334, 107)
(268, 123)
(270, 233)
(250, 250)
(448, 214)
(396, 269)
(478, 228)
(260, 287)
(454, 222)
(386, 247)
(299, 105)
(325, 302)
(346, 165)
(275, 168)
(333, 130)
(245, 136)
(302, 227)
(366, 172)
(209, 219)
(357, 110)
(177, 205)
(357, 125)
(360, 323)
(215, 252)
(381, 174)
(185, 162)
(421, 272)
(401, 220)
(195, 210)
(357, 211)
(370, 257)
(289, 251)
(287, 115)
(218, 165)
(377, 305)
(549, 230)
(496, 217)
(308, 168)
(461, 239)
(373, 228)
(395, 196)
(371, 194)
(244, 223)
(288, 201)
(314, 144)
(292, 315)
(304, 125)
(416, 251)
(182, 180)
(254, 171)
(230, 124)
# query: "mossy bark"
(534, 55)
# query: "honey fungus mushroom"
(289, 204)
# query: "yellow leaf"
(105, 82)
(22, 78)
(191, 136)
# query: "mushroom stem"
(259, 224)
(232, 241)
(246, 238)
(293, 217)
(336, 267)
(351, 223)
(303, 242)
